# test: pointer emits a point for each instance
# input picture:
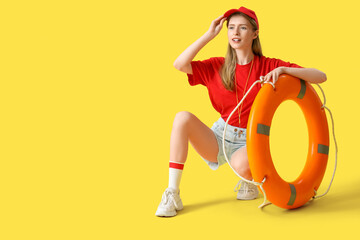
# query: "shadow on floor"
(341, 198)
(198, 206)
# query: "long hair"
(227, 71)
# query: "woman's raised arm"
(183, 62)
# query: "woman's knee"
(241, 165)
(182, 119)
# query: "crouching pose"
(227, 80)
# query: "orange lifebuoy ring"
(284, 194)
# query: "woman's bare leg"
(188, 128)
(240, 163)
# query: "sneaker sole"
(165, 214)
(246, 198)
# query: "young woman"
(227, 79)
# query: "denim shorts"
(233, 141)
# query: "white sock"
(175, 172)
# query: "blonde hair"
(227, 71)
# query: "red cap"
(244, 10)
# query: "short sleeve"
(203, 71)
(280, 63)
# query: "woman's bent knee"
(183, 118)
(240, 163)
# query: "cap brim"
(231, 11)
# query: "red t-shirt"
(224, 101)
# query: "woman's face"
(241, 33)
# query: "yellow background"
(88, 94)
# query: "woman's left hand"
(274, 74)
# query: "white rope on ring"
(336, 147)
(260, 184)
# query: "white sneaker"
(247, 191)
(170, 203)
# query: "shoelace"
(246, 187)
(237, 187)
(167, 196)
